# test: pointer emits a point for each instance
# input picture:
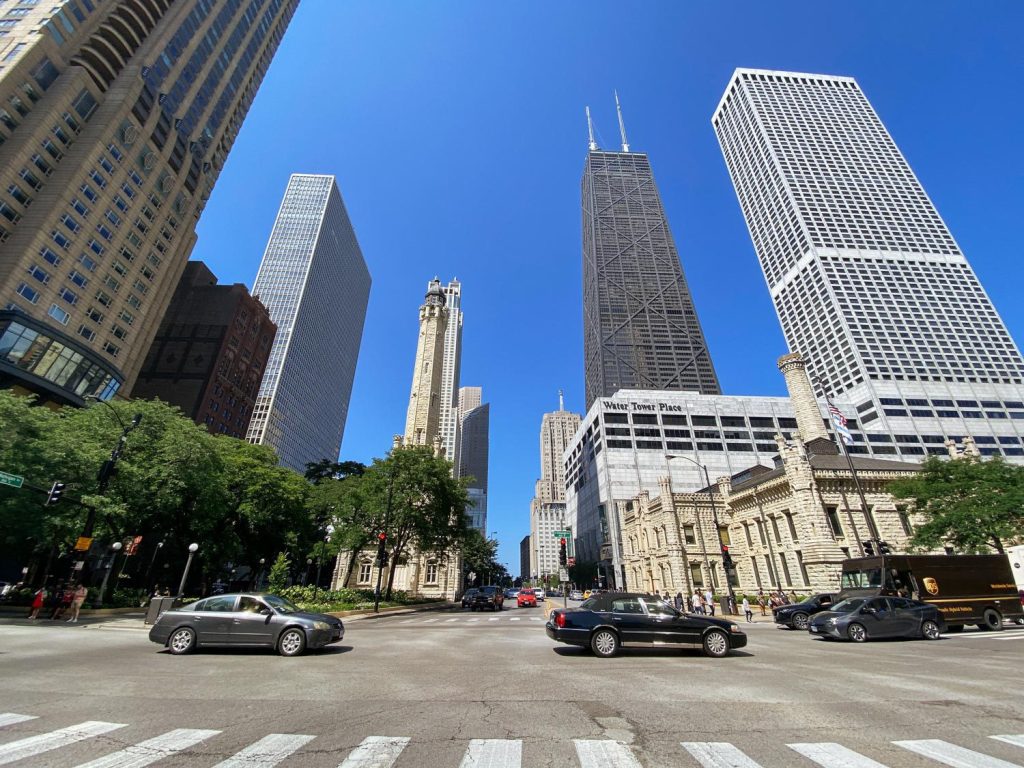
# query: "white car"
(575, 595)
(539, 593)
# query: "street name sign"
(15, 481)
(563, 534)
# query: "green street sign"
(563, 534)
(12, 480)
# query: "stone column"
(801, 395)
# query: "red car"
(526, 597)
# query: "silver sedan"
(250, 619)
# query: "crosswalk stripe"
(493, 753)
(952, 755)
(604, 753)
(536, 618)
(430, 621)
(451, 620)
(514, 618)
(718, 754)
(376, 752)
(10, 718)
(493, 618)
(1016, 740)
(151, 750)
(36, 745)
(408, 621)
(470, 621)
(833, 755)
(267, 752)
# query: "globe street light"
(115, 548)
(156, 551)
(259, 579)
(320, 563)
(192, 549)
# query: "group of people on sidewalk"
(703, 604)
(61, 599)
(764, 602)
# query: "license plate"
(814, 629)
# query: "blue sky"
(457, 134)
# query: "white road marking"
(1013, 634)
(952, 755)
(408, 621)
(36, 745)
(376, 752)
(470, 621)
(151, 750)
(514, 618)
(833, 755)
(267, 752)
(493, 753)
(1017, 740)
(718, 754)
(448, 621)
(493, 618)
(10, 718)
(429, 621)
(604, 753)
(536, 618)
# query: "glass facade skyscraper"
(640, 329)
(316, 286)
(450, 367)
(867, 280)
(117, 118)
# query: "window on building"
(365, 570)
(833, 521)
(791, 525)
(431, 574)
(696, 575)
(688, 534)
(775, 530)
(908, 529)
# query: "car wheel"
(716, 644)
(800, 621)
(604, 643)
(992, 619)
(182, 641)
(1019, 620)
(857, 633)
(930, 630)
(292, 642)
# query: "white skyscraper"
(315, 284)
(867, 280)
(451, 363)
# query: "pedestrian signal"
(56, 491)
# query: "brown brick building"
(209, 353)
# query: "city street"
(454, 688)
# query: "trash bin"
(157, 606)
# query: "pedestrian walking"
(666, 598)
(698, 606)
(709, 602)
(37, 602)
(77, 601)
(679, 601)
(762, 602)
(746, 610)
(63, 602)
(792, 596)
(53, 599)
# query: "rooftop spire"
(561, 401)
(622, 125)
(590, 131)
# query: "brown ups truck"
(968, 589)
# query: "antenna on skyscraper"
(622, 125)
(561, 401)
(590, 131)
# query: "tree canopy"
(968, 504)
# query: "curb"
(394, 611)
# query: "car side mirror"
(868, 610)
(264, 611)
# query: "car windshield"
(281, 605)
(590, 604)
(848, 606)
(870, 578)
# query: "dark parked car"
(867, 618)
(249, 619)
(469, 597)
(605, 623)
(485, 597)
(798, 615)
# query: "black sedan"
(245, 620)
(605, 623)
(798, 615)
(867, 618)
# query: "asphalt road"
(457, 689)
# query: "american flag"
(840, 422)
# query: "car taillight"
(559, 619)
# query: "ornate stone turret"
(665, 485)
(971, 448)
(809, 422)
(423, 420)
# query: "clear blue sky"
(457, 134)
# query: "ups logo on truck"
(931, 585)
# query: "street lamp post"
(329, 531)
(192, 549)
(115, 548)
(152, 560)
(108, 467)
(714, 517)
(259, 578)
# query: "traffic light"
(563, 555)
(56, 491)
(869, 548)
(726, 557)
(883, 548)
(382, 553)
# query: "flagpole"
(872, 530)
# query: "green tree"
(279, 571)
(968, 504)
(480, 556)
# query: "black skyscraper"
(640, 330)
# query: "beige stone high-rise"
(116, 120)
(423, 420)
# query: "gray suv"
(250, 619)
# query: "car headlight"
(832, 622)
(735, 628)
(321, 625)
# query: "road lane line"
(151, 750)
(267, 752)
(604, 753)
(493, 753)
(10, 718)
(833, 755)
(408, 621)
(376, 752)
(952, 755)
(493, 618)
(536, 618)
(514, 618)
(1016, 740)
(429, 621)
(470, 621)
(37, 745)
(718, 754)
